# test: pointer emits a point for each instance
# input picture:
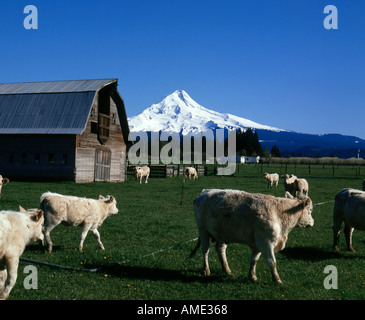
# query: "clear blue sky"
(272, 62)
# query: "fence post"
(333, 171)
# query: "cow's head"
(3, 182)
(305, 220)
(36, 223)
(111, 204)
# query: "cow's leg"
(336, 232)
(255, 255)
(268, 253)
(85, 230)
(97, 236)
(348, 236)
(47, 235)
(205, 242)
(221, 250)
(146, 179)
(3, 276)
(12, 267)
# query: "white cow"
(74, 211)
(191, 172)
(349, 208)
(301, 187)
(263, 222)
(140, 172)
(17, 229)
(3, 182)
(289, 183)
(272, 179)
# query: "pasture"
(148, 241)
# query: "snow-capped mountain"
(178, 112)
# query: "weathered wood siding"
(87, 143)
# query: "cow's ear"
(36, 217)
(101, 197)
(111, 198)
(5, 181)
(21, 209)
(307, 202)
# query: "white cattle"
(17, 229)
(289, 181)
(349, 208)
(272, 179)
(74, 211)
(191, 172)
(3, 182)
(301, 187)
(263, 222)
(140, 172)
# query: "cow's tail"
(192, 253)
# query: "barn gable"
(57, 129)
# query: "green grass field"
(153, 234)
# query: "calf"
(74, 211)
(3, 182)
(289, 183)
(140, 172)
(350, 208)
(191, 172)
(301, 187)
(272, 178)
(263, 222)
(17, 229)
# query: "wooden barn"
(63, 130)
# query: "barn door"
(102, 164)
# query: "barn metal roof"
(57, 107)
(54, 86)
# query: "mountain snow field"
(179, 113)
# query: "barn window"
(114, 118)
(51, 161)
(94, 127)
(104, 124)
(92, 113)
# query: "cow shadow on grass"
(160, 274)
(313, 254)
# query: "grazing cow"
(350, 208)
(140, 172)
(191, 171)
(74, 211)
(272, 178)
(263, 222)
(3, 182)
(17, 229)
(289, 183)
(301, 187)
